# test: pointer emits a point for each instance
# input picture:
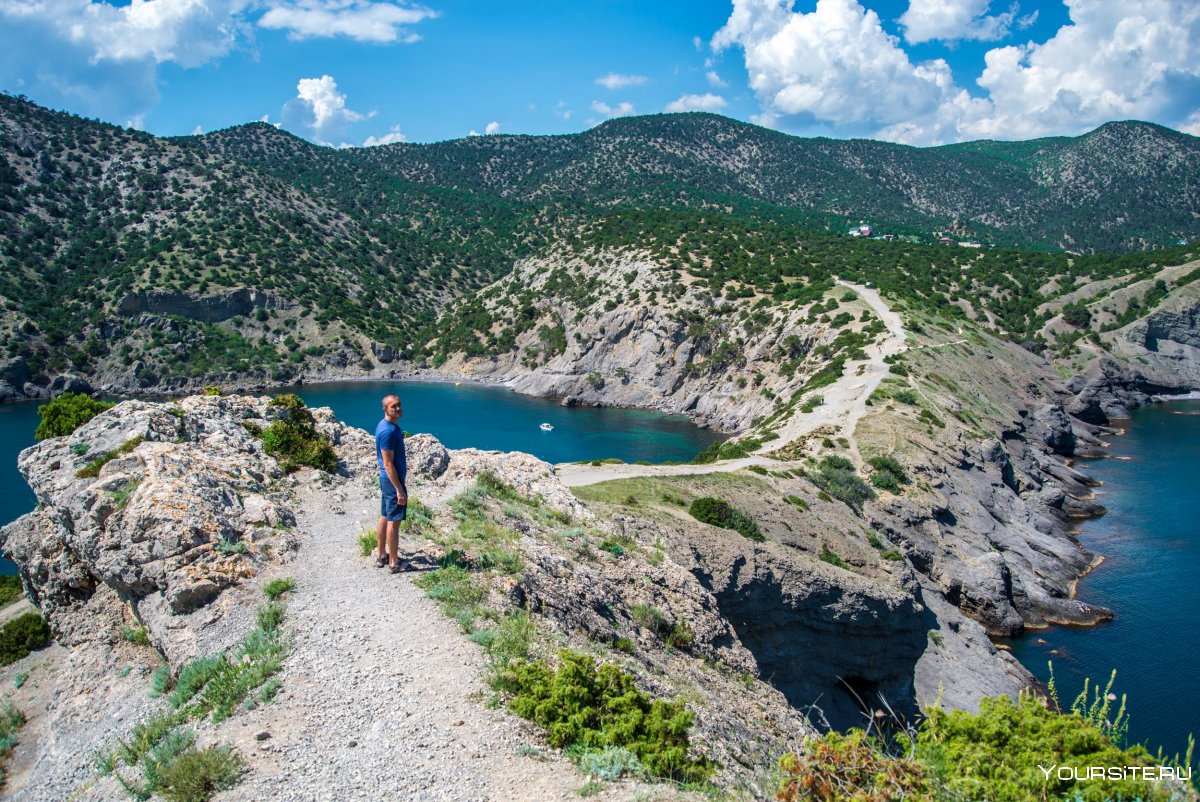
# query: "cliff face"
(622, 330)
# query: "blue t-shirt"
(390, 437)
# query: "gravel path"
(382, 697)
(845, 403)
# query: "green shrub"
(194, 676)
(65, 414)
(135, 635)
(21, 636)
(721, 513)
(615, 545)
(837, 767)
(728, 449)
(294, 441)
(270, 616)
(595, 708)
(92, 469)
(837, 478)
(277, 587)
(1076, 315)
(888, 474)
(892, 555)
(368, 541)
(10, 589)
(933, 420)
(995, 753)
(494, 486)
(212, 390)
(796, 501)
(610, 763)
(11, 720)
(830, 556)
(651, 618)
(161, 680)
(197, 774)
(681, 636)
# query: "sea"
(1150, 540)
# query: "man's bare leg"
(393, 541)
(380, 530)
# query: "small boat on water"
(545, 427)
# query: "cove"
(490, 417)
(1150, 540)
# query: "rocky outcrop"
(996, 544)
(17, 385)
(648, 337)
(14, 375)
(1158, 354)
(162, 508)
(205, 308)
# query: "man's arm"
(390, 467)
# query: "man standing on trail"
(393, 469)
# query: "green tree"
(65, 414)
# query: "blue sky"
(354, 72)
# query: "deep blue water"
(461, 417)
(1150, 539)
(17, 424)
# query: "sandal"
(399, 568)
(380, 562)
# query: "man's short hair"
(384, 403)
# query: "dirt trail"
(845, 403)
(382, 695)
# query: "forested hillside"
(250, 252)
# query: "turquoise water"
(1151, 577)
(478, 416)
(461, 417)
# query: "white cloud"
(836, 66)
(1192, 124)
(101, 57)
(266, 118)
(705, 102)
(715, 80)
(697, 42)
(1115, 61)
(622, 109)
(319, 109)
(363, 20)
(492, 128)
(949, 20)
(617, 81)
(833, 64)
(197, 131)
(186, 32)
(393, 135)
(472, 132)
